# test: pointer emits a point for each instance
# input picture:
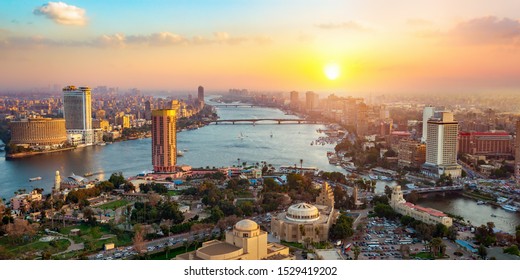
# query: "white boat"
(35, 179)
(509, 208)
(180, 153)
(241, 136)
(480, 202)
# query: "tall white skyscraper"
(427, 114)
(441, 145)
(77, 111)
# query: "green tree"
(356, 251)
(482, 251)
(435, 246)
(117, 179)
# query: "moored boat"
(35, 179)
(509, 208)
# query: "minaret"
(57, 181)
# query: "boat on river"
(35, 179)
(509, 208)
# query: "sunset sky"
(379, 46)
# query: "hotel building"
(441, 146)
(164, 140)
(38, 132)
(77, 111)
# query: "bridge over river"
(435, 189)
(268, 120)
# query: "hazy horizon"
(379, 47)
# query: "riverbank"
(30, 154)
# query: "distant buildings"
(517, 153)
(295, 100)
(200, 96)
(245, 242)
(38, 132)
(427, 114)
(304, 220)
(311, 100)
(423, 214)
(164, 140)
(441, 146)
(497, 143)
(411, 154)
(77, 110)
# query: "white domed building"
(245, 242)
(303, 220)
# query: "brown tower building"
(164, 140)
(517, 153)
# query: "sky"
(379, 46)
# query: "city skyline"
(263, 45)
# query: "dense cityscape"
(387, 161)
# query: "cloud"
(119, 40)
(225, 38)
(158, 39)
(347, 25)
(487, 30)
(62, 13)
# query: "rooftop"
(219, 248)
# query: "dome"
(246, 225)
(303, 212)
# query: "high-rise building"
(38, 132)
(427, 114)
(147, 110)
(517, 153)
(441, 146)
(77, 110)
(411, 154)
(311, 100)
(200, 96)
(361, 120)
(295, 100)
(164, 140)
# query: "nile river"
(217, 145)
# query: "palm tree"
(302, 231)
(356, 251)
(435, 245)
(301, 165)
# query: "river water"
(218, 145)
(212, 145)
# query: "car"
(99, 256)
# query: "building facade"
(427, 114)
(295, 100)
(411, 154)
(441, 146)
(496, 143)
(200, 96)
(164, 140)
(245, 242)
(305, 221)
(77, 111)
(38, 131)
(517, 153)
(423, 214)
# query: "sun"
(332, 71)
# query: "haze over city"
(377, 47)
